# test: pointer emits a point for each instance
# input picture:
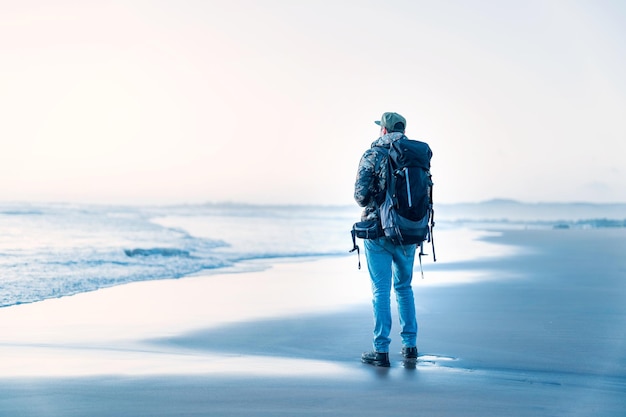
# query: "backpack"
(406, 207)
(406, 213)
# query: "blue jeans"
(389, 263)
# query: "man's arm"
(366, 182)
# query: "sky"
(274, 101)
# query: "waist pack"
(365, 230)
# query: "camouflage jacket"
(371, 177)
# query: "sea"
(50, 250)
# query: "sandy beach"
(537, 331)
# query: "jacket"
(371, 177)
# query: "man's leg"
(379, 260)
(403, 259)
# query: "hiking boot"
(376, 358)
(409, 352)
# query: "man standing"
(387, 262)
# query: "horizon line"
(295, 204)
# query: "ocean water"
(54, 250)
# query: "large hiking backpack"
(406, 205)
(406, 213)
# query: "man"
(387, 263)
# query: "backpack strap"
(430, 233)
(431, 237)
(419, 255)
(356, 247)
(431, 222)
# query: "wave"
(511, 211)
(554, 224)
(20, 212)
(167, 252)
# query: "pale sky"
(273, 101)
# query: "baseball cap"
(393, 122)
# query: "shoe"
(376, 358)
(409, 352)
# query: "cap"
(393, 122)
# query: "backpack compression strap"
(431, 226)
